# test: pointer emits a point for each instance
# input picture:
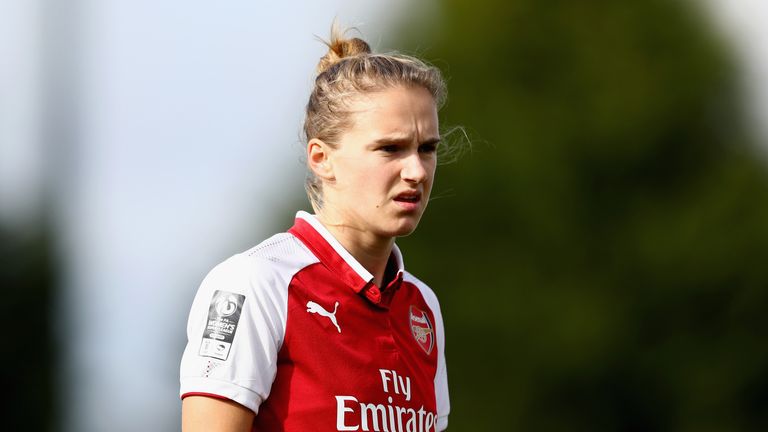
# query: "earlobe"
(318, 159)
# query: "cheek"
(431, 168)
(430, 181)
(379, 175)
(357, 182)
(348, 172)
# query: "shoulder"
(427, 292)
(276, 258)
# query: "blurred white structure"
(744, 21)
(20, 152)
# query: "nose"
(414, 170)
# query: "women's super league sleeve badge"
(422, 330)
(223, 315)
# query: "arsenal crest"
(422, 330)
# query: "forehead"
(400, 110)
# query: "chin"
(397, 226)
(405, 228)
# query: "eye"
(428, 148)
(389, 148)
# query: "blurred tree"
(600, 255)
(27, 352)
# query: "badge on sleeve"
(223, 315)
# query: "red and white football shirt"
(296, 330)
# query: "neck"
(370, 250)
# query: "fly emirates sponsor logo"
(353, 415)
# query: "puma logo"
(313, 307)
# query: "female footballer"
(321, 328)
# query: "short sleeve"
(235, 330)
(441, 375)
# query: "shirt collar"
(332, 254)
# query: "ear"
(318, 159)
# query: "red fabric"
(215, 396)
(324, 375)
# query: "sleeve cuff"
(442, 423)
(221, 389)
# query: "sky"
(166, 137)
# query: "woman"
(321, 328)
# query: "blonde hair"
(348, 70)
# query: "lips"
(409, 201)
(408, 197)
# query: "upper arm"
(208, 414)
(235, 331)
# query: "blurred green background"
(599, 253)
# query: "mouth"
(408, 197)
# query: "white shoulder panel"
(441, 375)
(237, 322)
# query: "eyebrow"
(403, 140)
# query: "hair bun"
(340, 48)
